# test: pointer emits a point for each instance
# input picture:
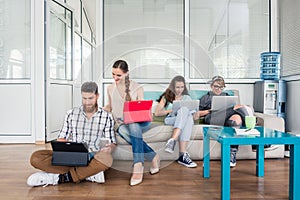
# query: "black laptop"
(70, 153)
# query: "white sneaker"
(233, 152)
(170, 146)
(98, 178)
(287, 154)
(42, 178)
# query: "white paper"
(246, 131)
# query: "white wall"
(22, 116)
(38, 99)
(16, 112)
(293, 107)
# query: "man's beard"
(90, 109)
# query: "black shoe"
(186, 160)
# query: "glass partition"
(60, 42)
(86, 30)
(148, 34)
(76, 5)
(86, 61)
(223, 37)
(227, 37)
(77, 58)
(15, 25)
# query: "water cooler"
(270, 93)
(270, 97)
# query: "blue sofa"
(159, 133)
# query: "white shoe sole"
(232, 164)
(287, 154)
(189, 166)
(42, 179)
(100, 178)
(169, 151)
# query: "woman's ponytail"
(127, 90)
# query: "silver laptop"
(223, 102)
(192, 105)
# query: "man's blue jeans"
(133, 134)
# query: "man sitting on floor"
(87, 123)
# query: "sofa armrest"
(270, 121)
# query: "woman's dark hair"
(169, 94)
(122, 64)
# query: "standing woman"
(124, 89)
(182, 121)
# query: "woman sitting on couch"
(182, 120)
(121, 90)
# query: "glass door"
(59, 79)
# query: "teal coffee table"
(226, 136)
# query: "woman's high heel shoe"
(137, 174)
(154, 170)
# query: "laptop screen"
(223, 102)
(69, 146)
(192, 105)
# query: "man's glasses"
(219, 87)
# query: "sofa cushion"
(152, 95)
(161, 133)
(197, 94)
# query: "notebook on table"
(137, 111)
(70, 153)
(192, 105)
(223, 102)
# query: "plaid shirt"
(78, 128)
